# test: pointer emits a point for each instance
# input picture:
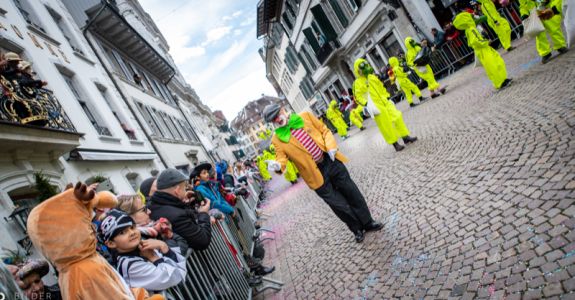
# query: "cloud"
(216, 34)
(233, 16)
(237, 32)
(248, 21)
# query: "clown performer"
(309, 144)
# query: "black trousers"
(342, 195)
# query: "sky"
(214, 45)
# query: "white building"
(116, 107)
(328, 36)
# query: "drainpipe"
(109, 73)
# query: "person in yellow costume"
(390, 119)
(498, 23)
(490, 59)
(335, 116)
(550, 12)
(426, 73)
(263, 169)
(405, 84)
(356, 118)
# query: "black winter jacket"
(193, 226)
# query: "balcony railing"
(102, 130)
(324, 51)
(32, 106)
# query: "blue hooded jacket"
(210, 190)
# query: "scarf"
(284, 133)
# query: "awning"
(113, 28)
(99, 155)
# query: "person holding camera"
(418, 57)
(175, 202)
(310, 145)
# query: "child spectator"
(161, 229)
(148, 264)
(210, 189)
(29, 279)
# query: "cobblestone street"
(482, 206)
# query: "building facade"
(115, 107)
(250, 123)
(328, 36)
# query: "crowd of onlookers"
(148, 235)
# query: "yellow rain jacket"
(490, 59)
(262, 167)
(499, 24)
(336, 118)
(291, 172)
(426, 74)
(390, 120)
(405, 84)
(552, 26)
(355, 116)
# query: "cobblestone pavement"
(482, 206)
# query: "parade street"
(481, 206)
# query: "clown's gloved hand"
(331, 154)
(274, 166)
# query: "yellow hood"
(408, 44)
(463, 21)
(333, 104)
(356, 71)
(393, 61)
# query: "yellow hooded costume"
(390, 120)
(355, 116)
(405, 84)
(335, 116)
(498, 23)
(552, 26)
(490, 59)
(425, 73)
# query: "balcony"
(32, 119)
(326, 52)
(104, 20)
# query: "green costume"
(390, 120)
(498, 23)
(262, 167)
(336, 118)
(355, 116)
(490, 59)
(552, 26)
(404, 83)
(426, 73)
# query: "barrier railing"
(214, 273)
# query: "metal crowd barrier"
(221, 271)
(455, 54)
(214, 273)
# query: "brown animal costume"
(61, 229)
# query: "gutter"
(109, 73)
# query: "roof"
(251, 113)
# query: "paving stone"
(482, 205)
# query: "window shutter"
(311, 39)
(324, 23)
(339, 13)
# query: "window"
(306, 87)
(65, 30)
(286, 82)
(290, 59)
(391, 45)
(90, 113)
(339, 13)
(28, 14)
(149, 120)
(377, 59)
(354, 5)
